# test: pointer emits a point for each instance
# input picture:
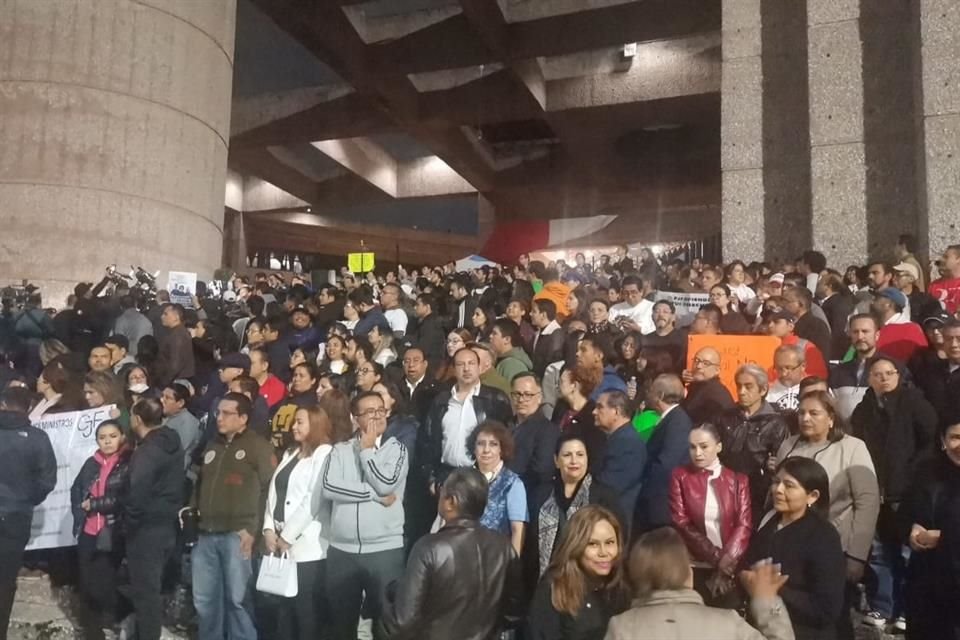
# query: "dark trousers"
(351, 577)
(147, 551)
(98, 585)
(303, 616)
(14, 534)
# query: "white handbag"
(278, 576)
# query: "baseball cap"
(909, 269)
(894, 295)
(939, 319)
(777, 277)
(783, 314)
(235, 360)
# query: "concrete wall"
(114, 122)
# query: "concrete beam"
(365, 159)
(262, 164)
(324, 29)
(256, 111)
(454, 43)
(349, 116)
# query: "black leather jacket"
(461, 582)
(489, 404)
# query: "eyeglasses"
(787, 368)
(697, 362)
(408, 361)
(371, 413)
(364, 371)
(518, 395)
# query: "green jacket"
(235, 476)
(516, 361)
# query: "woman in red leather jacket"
(715, 524)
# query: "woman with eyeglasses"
(253, 337)
(302, 394)
(506, 511)
(854, 494)
(368, 375)
(731, 320)
(899, 427)
(456, 340)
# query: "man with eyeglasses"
(635, 312)
(229, 496)
(706, 395)
(534, 436)
(364, 480)
(782, 325)
(790, 364)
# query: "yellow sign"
(361, 262)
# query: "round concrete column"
(114, 124)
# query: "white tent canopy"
(474, 262)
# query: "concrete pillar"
(837, 153)
(940, 37)
(114, 125)
(765, 153)
(741, 131)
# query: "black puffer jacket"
(28, 466)
(897, 434)
(155, 491)
(462, 582)
(110, 504)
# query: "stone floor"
(43, 612)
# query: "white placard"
(687, 304)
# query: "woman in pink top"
(95, 497)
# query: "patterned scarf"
(552, 520)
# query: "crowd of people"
(525, 452)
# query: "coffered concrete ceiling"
(367, 111)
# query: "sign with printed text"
(734, 352)
(74, 439)
(687, 304)
(182, 286)
(361, 262)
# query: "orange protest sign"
(734, 351)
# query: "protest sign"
(687, 304)
(734, 351)
(73, 436)
(182, 287)
(361, 262)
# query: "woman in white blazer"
(293, 522)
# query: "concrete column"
(940, 38)
(114, 124)
(741, 131)
(837, 153)
(765, 146)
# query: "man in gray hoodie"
(364, 480)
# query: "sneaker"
(900, 624)
(875, 619)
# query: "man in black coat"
(706, 396)
(461, 581)
(428, 334)
(154, 497)
(418, 386)
(667, 448)
(548, 342)
(838, 306)
(28, 473)
(534, 437)
(175, 360)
